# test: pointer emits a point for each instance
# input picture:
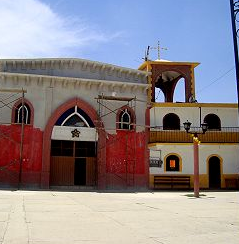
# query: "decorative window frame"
(180, 162)
(131, 113)
(15, 107)
(79, 115)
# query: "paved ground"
(51, 217)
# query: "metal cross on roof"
(159, 48)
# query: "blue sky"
(118, 32)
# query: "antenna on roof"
(146, 56)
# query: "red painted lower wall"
(126, 156)
(10, 138)
(122, 162)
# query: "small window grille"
(156, 162)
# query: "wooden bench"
(174, 181)
(232, 183)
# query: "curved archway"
(159, 95)
(214, 163)
(179, 91)
(171, 121)
(88, 109)
(213, 122)
(167, 80)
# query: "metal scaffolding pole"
(21, 143)
(8, 101)
(109, 105)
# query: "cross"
(159, 48)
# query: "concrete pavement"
(51, 217)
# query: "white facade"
(195, 113)
(51, 82)
(226, 151)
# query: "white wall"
(46, 96)
(228, 116)
(228, 153)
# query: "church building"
(79, 124)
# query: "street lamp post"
(187, 126)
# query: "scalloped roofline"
(75, 79)
(77, 60)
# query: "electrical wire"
(213, 82)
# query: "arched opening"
(171, 121)
(125, 118)
(179, 91)
(23, 113)
(166, 82)
(213, 122)
(159, 95)
(173, 163)
(73, 150)
(214, 172)
(68, 133)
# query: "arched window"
(125, 118)
(75, 117)
(173, 163)
(213, 121)
(22, 113)
(171, 122)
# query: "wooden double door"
(73, 163)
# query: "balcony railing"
(224, 135)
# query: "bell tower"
(166, 74)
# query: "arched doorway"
(214, 172)
(73, 150)
(47, 140)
